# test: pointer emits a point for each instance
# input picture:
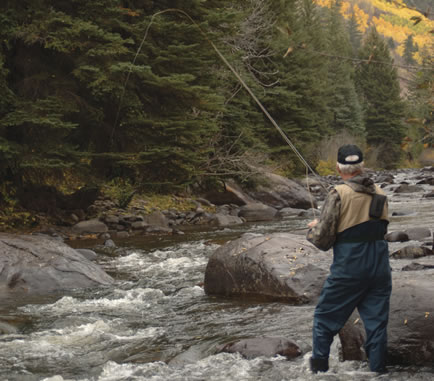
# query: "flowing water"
(155, 323)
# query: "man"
(354, 221)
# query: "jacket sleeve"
(323, 234)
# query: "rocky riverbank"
(95, 215)
(91, 214)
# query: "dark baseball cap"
(350, 154)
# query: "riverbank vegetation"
(134, 92)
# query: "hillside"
(396, 20)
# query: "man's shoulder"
(342, 188)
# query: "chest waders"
(360, 277)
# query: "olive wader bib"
(360, 277)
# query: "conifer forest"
(141, 90)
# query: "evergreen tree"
(355, 36)
(391, 43)
(384, 109)
(246, 46)
(342, 98)
(299, 102)
(59, 61)
(422, 102)
(69, 61)
(409, 49)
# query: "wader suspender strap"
(377, 205)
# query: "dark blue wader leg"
(337, 301)
(374, 311)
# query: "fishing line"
(264, 110)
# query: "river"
(155, 323)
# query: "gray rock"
(226, 220)
(411, 323)
(132, 218)
(309, 213)
(7, 329)
(429, 181)
(264, 346)
(157, 219)
(281, 266)
(122, 234)
(111, 220)
(429, 195)
(109, 243)
(257, 212)
(90, 226)
(288, 212)
(417, 267)
(412, 252)
(406, 188)
(418, 234)
(104, 236)
(281, 192)
(396, 237)
(385, 178)
(34, 264)
(138, 225)
(159, 230)
(205, 202)
(88, 254)
(231, 193)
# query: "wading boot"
(319, 365)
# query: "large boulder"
(230, 193)
(281, 266)
(411, 322)
(281, 192)
(37, 264)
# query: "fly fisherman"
(354, 221)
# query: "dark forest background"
(126, 90)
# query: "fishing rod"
(226, 62)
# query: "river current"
(155, 323)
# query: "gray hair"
(349, 169)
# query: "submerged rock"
(414, 266)
(264, 346)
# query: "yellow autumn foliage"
(393, 20)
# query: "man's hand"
(312, 223)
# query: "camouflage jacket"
(323, 234)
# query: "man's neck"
(347, 176)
